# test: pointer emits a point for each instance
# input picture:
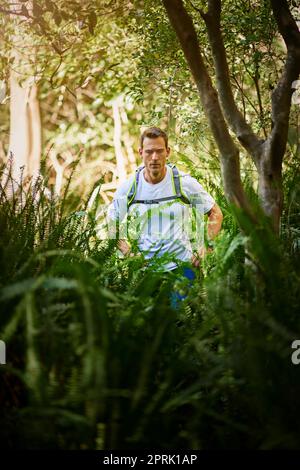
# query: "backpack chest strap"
(176, 183)
(156, 201)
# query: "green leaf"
(60, 283)
(236, 242)
(13, 323)
(16, 289)
(106, 293)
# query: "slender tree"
(223, 113)
(25, 121)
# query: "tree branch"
(185, 31)
(282, 94)
(233, 116)
(286, 24)
(16, 13)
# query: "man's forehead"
(154, 142)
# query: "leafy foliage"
(96, 356)
(94, 345)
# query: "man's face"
(154, 154)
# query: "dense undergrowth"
(98, 359)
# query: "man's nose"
(155, 155)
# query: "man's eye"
(150, 152)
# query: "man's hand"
(199, 255)
(125, 248)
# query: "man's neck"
(150, 178)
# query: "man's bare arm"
(215, 218)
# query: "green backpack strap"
(177, 184)
(132, 190)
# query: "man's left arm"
(215, 218)
(205, 204)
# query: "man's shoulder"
(196, 192)
(187, 178)
(184, 174)
(191, 185)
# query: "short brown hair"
(153, 133)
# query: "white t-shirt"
(165, 228)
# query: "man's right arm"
(124, 247)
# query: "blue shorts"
(177, 296)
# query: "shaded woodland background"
(95, 359)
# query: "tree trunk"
(270, 188)
(270, 165)
(35, 132)
(229, 152)
(19, 136)
(25, 129)
(120, 158)
(25, 122)
(267, 154)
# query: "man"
(160, 196)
